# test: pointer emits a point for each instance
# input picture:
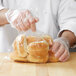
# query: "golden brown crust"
(31, 39)
(18, 46)
(14, 56)
(38, 52)
(38, 48)
(52, 57)
(37, 59)
(22, 49)
(15, 45)
(48, 39)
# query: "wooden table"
(9, 68)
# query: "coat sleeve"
(67, 16)
(1, 5)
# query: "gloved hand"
(22, 20)
(61, 49)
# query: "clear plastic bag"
(37, 36)
(30, 33)
(25, 41)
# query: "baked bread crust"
(33, 49)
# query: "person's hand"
(61, 49)
(22, 20)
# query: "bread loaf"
(33, 49)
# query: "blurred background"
(73, 50)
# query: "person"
(54, 17)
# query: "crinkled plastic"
(17, 17)
(38, 35)
(63, 41)
(30, 33)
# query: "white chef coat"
(54, 17)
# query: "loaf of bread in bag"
(33, 49)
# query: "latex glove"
(61, 49)
(22, 20)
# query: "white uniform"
(54, 16)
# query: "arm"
(60, 46)
(19, 19)
(69, 36)
(67, 33)
(3, 19)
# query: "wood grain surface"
(10, 68)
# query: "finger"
(66, 58)
(15, 24)
(33, 27)
(19, 22)
(55, 47)
(25, 29)
(23, 14)
(36, 19)
(65, 54)
(27, 24)
(29, 16)
(25, 20)
(32, 20)
(60, 51)
(22, 26)
(27, 13)
(18, 28)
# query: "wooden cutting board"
(10, 68)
